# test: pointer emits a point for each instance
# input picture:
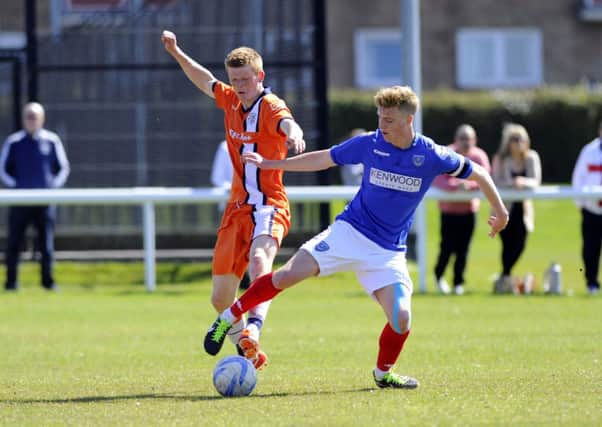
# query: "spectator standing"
(516, 166)
(34, 157)
(221, 171)
(587, 172)
(458, 218)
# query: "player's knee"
(220, 302)
(404, 320)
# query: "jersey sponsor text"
(237, 135)
(395, 181)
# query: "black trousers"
(456, 233)
(514, 238)
(19, 218)
(591, 233)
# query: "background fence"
(127, 114)
(149, 197)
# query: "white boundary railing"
(148, 197)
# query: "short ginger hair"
(242, 56)
(401, 97)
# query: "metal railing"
(148, 197)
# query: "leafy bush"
(559, 120)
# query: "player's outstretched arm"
(294, 135)
(307, 162)
(498, 220)
(199, 75)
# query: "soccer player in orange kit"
(257, 216)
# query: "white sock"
(253, 331)
(378, 374)
(237, 328)
(260, 311)
(227, 316)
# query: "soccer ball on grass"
(234, 376)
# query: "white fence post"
(148, 215)
(421, 244)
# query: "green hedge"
(559, 120)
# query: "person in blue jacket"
(31, 158)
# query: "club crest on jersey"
(322, 246)
(418, 160)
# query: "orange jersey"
(254, 130)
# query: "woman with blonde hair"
(517, 166)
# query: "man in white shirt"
(588, 172)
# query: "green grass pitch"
(104, 352)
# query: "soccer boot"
(395, 381)
(214, 339)
(248, 346)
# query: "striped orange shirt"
(254, 130)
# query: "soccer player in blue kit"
(369, 236)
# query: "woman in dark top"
(517, 166)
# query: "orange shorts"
(240, 225)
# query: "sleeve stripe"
(8, 180)
(460, 168)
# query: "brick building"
(468, 43)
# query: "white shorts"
(342, 248)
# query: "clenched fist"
(169, 41)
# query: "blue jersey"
(394, 182)
(33, 161)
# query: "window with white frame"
(493, 58)
(377, 57)
(591, 10)
(12, 40)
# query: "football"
(234, 376)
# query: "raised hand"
(169, 41)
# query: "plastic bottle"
(553, 279)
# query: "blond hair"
(510, 132)
(242, 56)
(402, 97)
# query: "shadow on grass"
(173, 396)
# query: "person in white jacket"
(588, 172)
(221, 171)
